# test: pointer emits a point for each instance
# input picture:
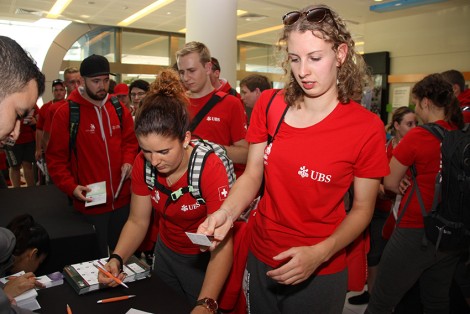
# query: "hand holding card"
(200, 239)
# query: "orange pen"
(107, 273)
(124, 297)
(69, 310)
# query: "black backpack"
(74, 120)
(447, 225)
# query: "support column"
(214, 23)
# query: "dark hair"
(164, 109)
(353, 75)
(17, 69)
(255, 81)
(455, 77)
(112, 85)
(29, 234)
(215, 64)
(397, 116)
(437, 89)
(143, 85)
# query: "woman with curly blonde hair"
(324, 143)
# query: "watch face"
(211, 304)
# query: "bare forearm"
(131, 236)
(242, 194)
(217, 270)
(238, 154)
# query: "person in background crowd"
(104, 150)
(405, 259)
(325, 142)
(58, 92)
(403, 120)
(71, 81)
(225, 123)
(21, 84)
(220, 83)
(250, 90)
(161, 126)
(122, 93)
(462, 93)
(32, 243)
(137, 91)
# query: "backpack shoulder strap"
(74, 121)
(216, 97)
(275, 112)
(151, 180)
(117, 105)
(195, 166)
(201, 150)
(435, 129)
(233, 92)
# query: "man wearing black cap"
(102, 150)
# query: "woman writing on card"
(161, 126)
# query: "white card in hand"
(200, 239)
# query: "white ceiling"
(171, 18)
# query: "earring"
(185, 145)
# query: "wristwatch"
(209, 303)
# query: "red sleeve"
(238, 123)
(129, 146)
(138, 185)
(214, 183)
(50, 114)
(257, 132)
(371, 158)
(42, 116)
(59, 163)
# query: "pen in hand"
(124, 297)
(107, 273)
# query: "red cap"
(121, 89)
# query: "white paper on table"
(134, 311)
(97, 193)
(396, 206)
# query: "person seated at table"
(161, 127)
(27, 246)
(32, 243)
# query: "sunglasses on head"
(316, 15)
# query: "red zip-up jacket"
(103, 145)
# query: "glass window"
(100, 41)
(258, 58)
(143, 48)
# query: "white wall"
(426, 43)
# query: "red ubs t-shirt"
(307, 172)
(184, 215)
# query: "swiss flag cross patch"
(223, 192)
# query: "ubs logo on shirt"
(186, 208)
(215, 119)
(156, 196)
(267, 151)
(314, 175)
(91, 129)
